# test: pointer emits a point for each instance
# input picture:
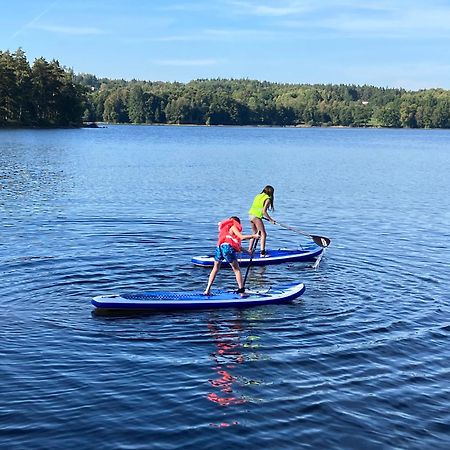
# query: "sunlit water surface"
(360, 361)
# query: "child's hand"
(255, 236)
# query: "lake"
(361, 360)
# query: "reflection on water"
(227, 339)
(231, 353)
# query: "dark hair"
(270, 191)
(236, 219)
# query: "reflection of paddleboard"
(308, 253)
(164, 300)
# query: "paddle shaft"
(322, 241)
(252, 251)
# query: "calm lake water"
(362, 360)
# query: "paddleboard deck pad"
(307, 253)
(166, 300)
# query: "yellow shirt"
(258, 205)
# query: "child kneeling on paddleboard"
(228, 246)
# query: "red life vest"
(228, 237)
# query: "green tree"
(57, 100)
(441, 113)
(408, 115)
(21, 105)
(70, 101)
(7, 87)
(115, 109)
(136, 104)
(388, 116)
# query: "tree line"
(43, 94)
(46, 94)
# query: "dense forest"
(43, 94)
(46, 94)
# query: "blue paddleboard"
(307, 253)
(166, 300)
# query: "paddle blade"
(321, 240)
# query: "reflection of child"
(261, 203)
(228, 245)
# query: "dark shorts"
(225, 252)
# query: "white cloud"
(280, 9)
(217, 34)
(397, 19)
(232, 33)
(33, 20)
(61, 29)
(400, 23)
(168, 38)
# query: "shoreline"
(98, 125)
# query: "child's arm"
(266, 214)
(241, 236)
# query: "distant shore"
(98, 125)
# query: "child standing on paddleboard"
(228, 245)
(259, 210)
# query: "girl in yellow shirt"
(259, 209)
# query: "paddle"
(322, 241)
(252, 251)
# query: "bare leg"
(258, 226)
(254, 231)
(237, 273)
(212, 277)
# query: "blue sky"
(396, 43)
